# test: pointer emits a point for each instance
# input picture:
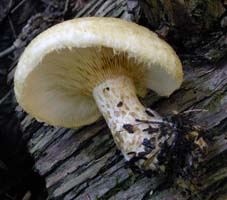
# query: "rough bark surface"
(84, 163)
(183, 20)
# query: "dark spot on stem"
(151, 130)
(106, 89)
(120, 104)
(149, 113)
(147, 143)
(131, 153)
(128, 128)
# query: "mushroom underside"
(64, 80)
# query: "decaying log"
(84, 163)
(182, 20)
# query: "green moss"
(215, 55)
(213, 11)
(207, 12)
(215, 8)
(215, 101)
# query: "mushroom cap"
(58, 70)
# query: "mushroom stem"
(125, 115)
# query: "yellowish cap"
(58, 70)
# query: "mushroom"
(80, 69)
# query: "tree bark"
(183, 20)
(84, 163)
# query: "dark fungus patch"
(147, 143)
(149, 113)
(179, 151)
(120, 104)
(151, 130)
(128, 128)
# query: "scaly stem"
(117, 101)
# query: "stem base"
(117, 101)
